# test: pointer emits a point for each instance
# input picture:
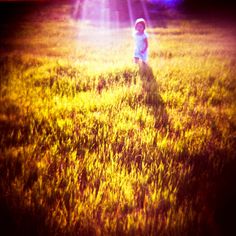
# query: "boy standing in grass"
(141, 42)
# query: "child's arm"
(146, 45)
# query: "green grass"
(90, 144)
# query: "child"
(141, 42)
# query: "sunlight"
(97, 21)
(94, 21)
(92, 144)
(131, 16)
(147, 18)
(165, 2)
(94, 12)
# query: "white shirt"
(140, 46)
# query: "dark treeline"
(209, 4)
(191, 5)
(12, 13)
(122, 4)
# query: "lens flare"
(94, 21)
(131, 15)
(94, 12)
(146, 13)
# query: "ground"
(92, 144)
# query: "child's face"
(140, 27)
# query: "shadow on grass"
(16, 218)
(210, 191)
(152, 97)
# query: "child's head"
(140, 25)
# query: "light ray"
(131, 16)
(147, 18)
(94, 23)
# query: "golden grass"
(91, 145)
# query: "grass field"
(92, 145)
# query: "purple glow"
(94, 11)
(130, 13)
(110, 15)
(165, 2)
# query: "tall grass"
(92, 145)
